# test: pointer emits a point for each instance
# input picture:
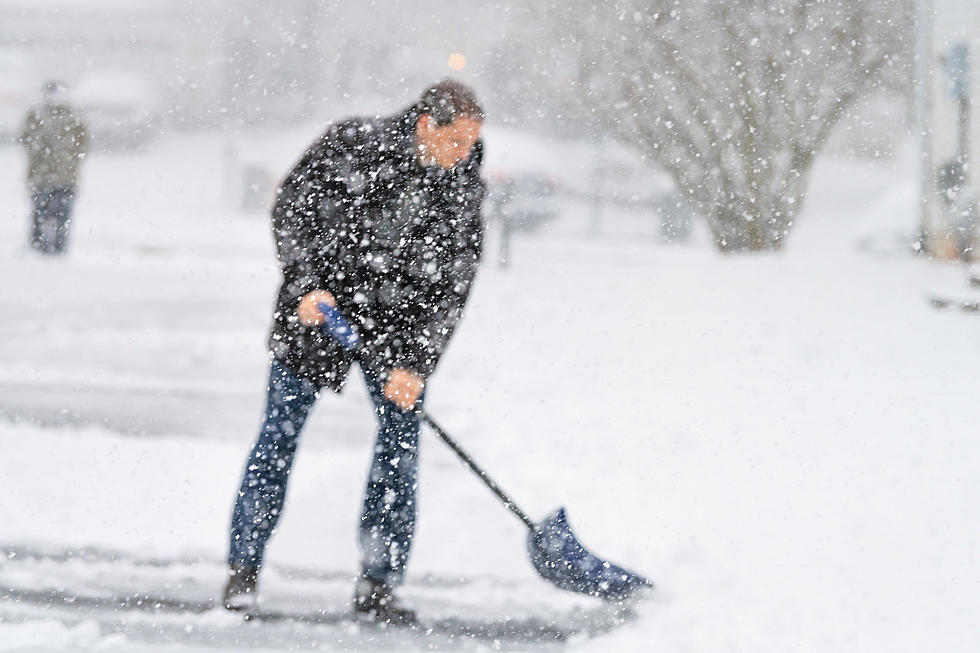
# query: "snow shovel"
(556, 554)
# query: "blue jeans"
(50, 220)
(388, 518)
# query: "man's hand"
(403, 388)
(308, 312)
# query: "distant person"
(56, 140)
(381, 218)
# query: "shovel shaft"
(338, 327)
(465, 457)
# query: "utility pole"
(959, 73)
(924, 59)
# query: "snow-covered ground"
(787, 444)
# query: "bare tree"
(736, 98)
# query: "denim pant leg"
(39, 220)
(388, 520)
(263, 490)
(62, 201)
(50, 219)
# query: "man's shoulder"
(56, 116)
(366, 135)
(35, 112)
(351, 132)
(344, 140)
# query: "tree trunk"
(736, 229)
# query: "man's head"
(450, 118)
(55, 92)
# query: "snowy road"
(174, 605)
(786, 444)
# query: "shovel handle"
(469, 462)
(338, 327)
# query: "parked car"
(523, 201)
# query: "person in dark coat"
(55, 140)
(381, 219)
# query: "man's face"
(446, 146)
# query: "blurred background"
(609, 76)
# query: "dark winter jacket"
(55, 139)
(396, 242)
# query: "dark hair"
(449, 100)
(54, 86)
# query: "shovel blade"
(560, 559)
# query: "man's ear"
(425, 122)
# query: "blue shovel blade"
(561, 560)
(338, 327)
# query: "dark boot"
(375, 600)
(241, 592)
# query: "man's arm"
(430, 337)
(81, 136)
(29, 128)
(409, 349)
(424, 334)
(309, 224)
(300, 231)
